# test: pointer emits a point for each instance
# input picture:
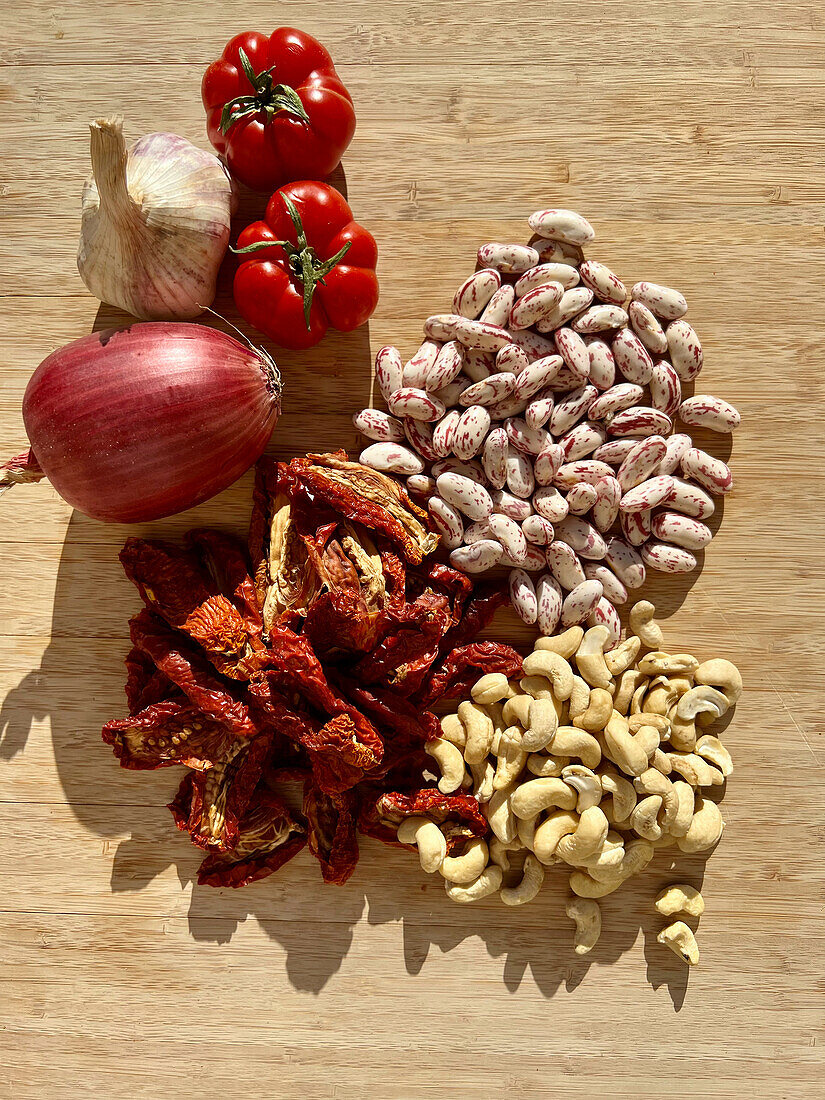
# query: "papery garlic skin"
(155, 223)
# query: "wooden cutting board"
(693, 136)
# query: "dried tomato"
(145, 684)
(224, 558)
(464, 666)
(170, 733)
(380, 818)
(477, 615)
(331, 831)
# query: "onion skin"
(138, 423)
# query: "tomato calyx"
(268, 98)
(304, 263)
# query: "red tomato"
(289, 291)
(284, 115)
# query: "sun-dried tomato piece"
(463, 667)
(146, 684)
(224, 558)
(268, 837)
(477, 614)
(331, 831)
(169, 733)
(458, 814)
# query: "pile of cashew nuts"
(594, 759)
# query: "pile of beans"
(536, 420)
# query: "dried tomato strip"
(224, 556)
(145, 684)
(165, 734)
(331, 832)
(464, 666)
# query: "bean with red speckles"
(681, 530)
(549, 599)
(533, 563)
(614, 590)
(711, 473)
(648, 328)
(389, 373)
(664, 301)
(498, 308)
(533, 343)
(606, 508)
(565, 274)
(667, 558)
(515, 507)
(417, 368)
(614, 452)
(420, 484)
(474, 293)
(447, 521)
(582, 440)
(475, 532)
(626, 563)
(449, 395)
(582, 536)
(639, 421)
(417, 404)
(603, 282)
(478, 558)
(618, 397)
(523, 596)
(675, 447)
(489, 391)
(511, 359)
(535, 304)
(635, 526)
(538, 530)
(494, 457)
(573, 351)
(632, 357)
(467, 495)
(420, 436)
(562, 225)
(641, 461)
(540, 409)
(506, 531)
(444, 433)
(477, 365)
(579, 603)
(602, 364)
(377, 424)
(471, 432)
(536, 375)
(686, 353)
(547, 464)
(581, 498)
(481, 335)
(549, 503)
(647, 495)
(600, 318)
(557, 252)
(665, 387)
(509, 258)
(605, 614)
(583, 469)
(520, 478)
(530, 441)
(704, 411)
(572, 303)
(571, 408)
(690, 500)
(391, 458)
(442, 326)
(446, 366)
(471, 469)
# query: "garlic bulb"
(155, 223)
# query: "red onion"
(138, 423)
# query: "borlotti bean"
(536, 422)
(523, 596)
(580, 602)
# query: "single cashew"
(542, 724)
(660, 761)
(542, 662)
(537, 687)
(466, 868)
(638, 853)
(623, 792)
(516, 711)
(535, 795)
(684, 815)
(637, 703)
(546, 767)
(723, 675)
(488, 882)
(647, 737)
(570, 741)
(696, 770)
(565, 644)
(711, 748)
(652, 782)
(589, 837)
(621, 746)
(681, 941)
(499, 811)
(495, 712)
(599, 709)
(499, 852)
(628, 682)
(579, 697)
(590, 658)
(643, 626)
(680, 898)
(490, 688)
(483, 777)
(611, 854)
(660, 663)
(531, 882)
(660, 699)
(666, 840)
(480, 730)
(586, 783)
(452, 730)
(550, 832)
(467, 782)
(428, 838)
(451, 762)
(526, 830)
(620, 659)
(588, 917)
(705, 828)
(702, 700)
(511, 758)
(682, 733)
(643, 820)
(646, 718)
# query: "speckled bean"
(648, 328)
(450, 465)
(583, 469)
(642, 460)
(535, 304)
(579, 603)
(635, 526)
(377, 424)
(474, 293)
(533, 344)
(520, 478)
(494, 457)
(626, 563)
(530, 441)
(565, 565)
(614, 452)
(665, 387)
(639, 421)
(690, 500)
(675, 447)
(447, 365)
(605, 614)
(536, 375)
(510, 258)
(449, 395)
(481, 335)
(618, 397)
(581, 498)
(681, 530)
(602, 317)
(582, 440)
(614, 590)
(538, 530)
(420, 437)
(415, 403)
(686, 353)
(477, 365)
(582, 536)
(664, 301)
(508, 505)
(602, 364)
(547, 464)
(420, 484)
(571, 408)
(632, 357)
(389, 372)
(507, 532)
(572, 303)
(573, 351)
(561, 225)
(711, 473)
(511, 359)
(540, 409)
(498, 308)
(447, 521)
(533, 563)
(523, 596)
(646, 495)
(444, 433)
(471, 432)
(467, 495)
(603, 282)
(565, 274)
(391, 458)
(477, 558)
(549, 600)
(557, 252)
(606, 508)
(475, 532)
(666, 558)
(704, 411)
(417, 369)
(442, 326)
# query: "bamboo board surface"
(693, 136)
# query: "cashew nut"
(661, 697)
(550, 832)
(543, 662)
(451, 762)
(628, 682)
(547, 767)
(480, 730)
(647, 737)
(500, 812)
(511, 758)
(590, 657)
(599, 709)
(586, 783)
(535, 795)
(588, 917)
(516, 711)
(721, 674)
(531, 882)
(637, 703)
(570, 741)
(526, 830)
(643, 625)
(542, 724)
(565, 644)
(682, 733)
(488, 882)
(428, 838)
(452, 730)
(499, 852)
(652, 782)
(643, 820)
(621, 746)
(684, 815)
(589, 837)
(624, 795)
(466, 868)
(579, 697)
(483, 776)
(638, 853)
(661, 762)
(611, 854)
(537, 687)
(647, 718)
(705, 828)
(681, 941)
(490, 688)
(711, 748)
(620, 659)
(680, 898)
(696, 770)
(660, 663)
(702, 700)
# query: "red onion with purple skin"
(138, 423)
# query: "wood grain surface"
(693, 135)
